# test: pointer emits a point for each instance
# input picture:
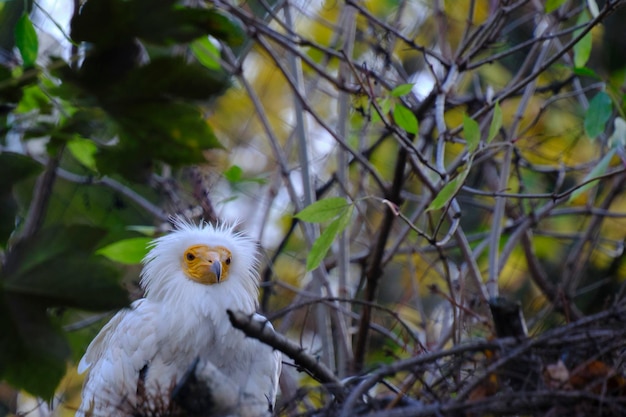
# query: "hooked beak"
(216, 268)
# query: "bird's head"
(208, 255)
(206, 264)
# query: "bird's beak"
(216, 268)
(206, 265)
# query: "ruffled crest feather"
(162, 277)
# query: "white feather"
(178, 321)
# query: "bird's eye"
(227, 261)
(190, 256)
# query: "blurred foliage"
(95, 128)
(453, 110)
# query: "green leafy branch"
(336, 209)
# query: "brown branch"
(374, 269)
(264, 332)
(41, 196)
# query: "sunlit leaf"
(323, 210)
(598, 113)
(405, 119)
(586, 72)
(144, 230)
(449, 190)
(128, 251)
(385, 107)
(206, 53)
(324, 242)
(582, 49)
(552, 5)
(401, 90)
(26, 40)
(234, 174)
(496, 123)
(472, 133)
(597, 170)
(84, 150)
(34, 99)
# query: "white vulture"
(191, 277)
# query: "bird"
(190, 278)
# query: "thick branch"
(264, 332)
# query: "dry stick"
(41, 196)
(609, 7)
(469, 23)
(576, 260)
(320, 275)
(412, 363)
(371, 18)
(582, 326)
(333, 302)
(358, 156)
(257, 28)
(496, 263)
(345, 356)
(487, 31)
(310, 231)
(506, 403)
(201, 194)
(529, 343)
(264, 332)
(562, 302)
(374, 269)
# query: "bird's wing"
(126, 344)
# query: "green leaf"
(33, 352)
(173, 132)
(26, 40)
(84, 150)
(472, 133)
(401, 90)
(168, 77)
(385, 107)
(496, 123)
(449, 190)
(34, 99)
(582, 49)
(13, 169)
(324, 242)
(234, 174)
(206, 53)
(586, 72)
(598, 113)
(552, 5)
(56, 268)
(405, 119)
(144, 230)
(128, 251)
(598, 170)
(106, 22)
(323, 210)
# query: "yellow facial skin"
(206, 264)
